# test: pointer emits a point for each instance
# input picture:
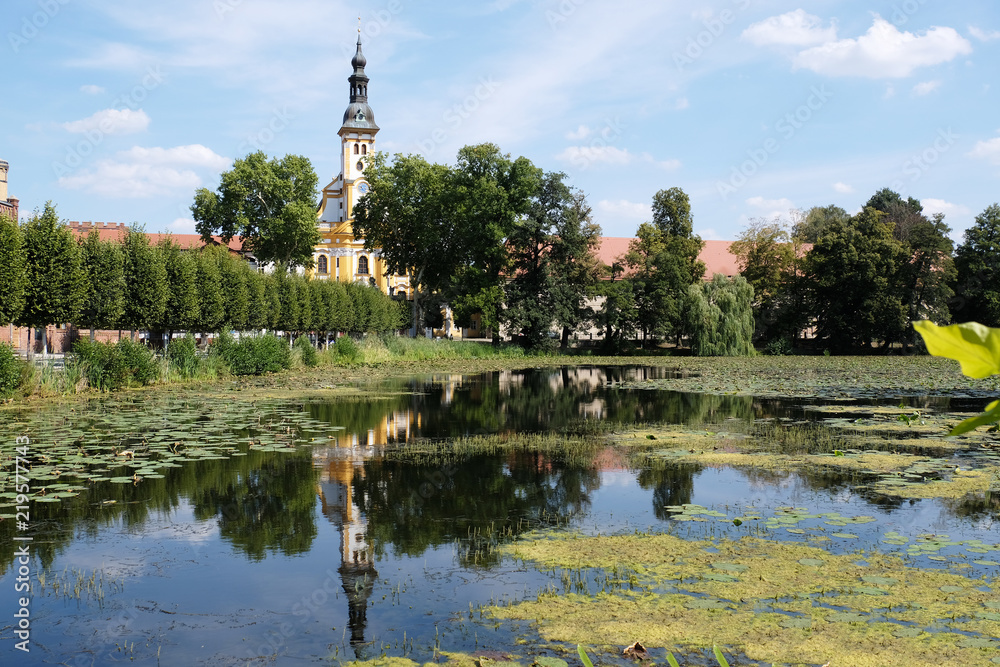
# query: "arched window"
(356, 149)
(323, 265)
(364, 149)
(363, 266)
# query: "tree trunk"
(92, 332)
(564, 345)
(31, 343)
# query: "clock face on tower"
(363, 188)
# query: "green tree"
(13, 276)
(147, 291)
(927, 269)
(770, 260)
(257, 304)
(183, 306)
(576, 269)
(619, 311)
(720, 317)
(55, 281)
(663, 259)
(977, 261)
(491, 192)
(553, 265)
(104, 265)
(407, 215)
(234, 288)
(854, 283)
(212, 302)
(270, 205)
(272, 294)
(816, 221)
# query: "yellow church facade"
(339, 256)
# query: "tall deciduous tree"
(183, 305)
(147, 291)
(491, 192)
(56, 283)
(816, 221)
(769, 259)
(211, 300)
(553, 266)
(854, 285)
(104, 266)
(234, 288)
(978, 263)
(664, 262)
(270, 204)
(407, 215)
(13, 278)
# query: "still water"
(308, 532)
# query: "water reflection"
(523, 401)
(378, 503)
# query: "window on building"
(323, 265)
(364, 149)
(356, 149)
(363, 266)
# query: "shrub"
(305, 347)
(256, 356)
(182, 353)
(10, 370)
(778, 347)
(347, 349)
(139, 362)
(109, 367)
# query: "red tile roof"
(715, 254)
(115, 231)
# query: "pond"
(174, 529)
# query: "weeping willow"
(720, 317)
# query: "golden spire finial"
(359, 24)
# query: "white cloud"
(579, 133)
(625, 210)
(91, 89)
(111, 121)
(884, 52)
(194, 155)
(768, 204)
(890, 92)
(682, 104)
(843, 188)
(984, 35)
(148, 172)
(933, 206)
(795, 28)
(926, 87)
(182, 226)
(586, 156)
(988, 149)
(709, 234)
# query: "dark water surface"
(337, 548)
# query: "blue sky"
(119, 110)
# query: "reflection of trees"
(672, 484)
(476, 501)
(266, 504)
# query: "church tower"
(339, 256)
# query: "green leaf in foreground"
(721, 658)
(583, 656)
(976, 348)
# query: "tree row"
(48, 276)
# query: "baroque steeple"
(359, 115)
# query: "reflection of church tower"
(357, 563)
